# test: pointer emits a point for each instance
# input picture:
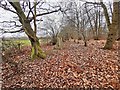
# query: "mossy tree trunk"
(113, 27)
(36, 49)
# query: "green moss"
(32, 53)
(40, 53)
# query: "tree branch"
(45, 13)
(21, 30)
(4, 6)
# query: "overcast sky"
(7, 16)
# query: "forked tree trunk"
(36, 49)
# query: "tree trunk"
(84, 39)
(118, 32)
(111, 38)
(54, 40)
(59, 43)
(35, 25)
(36, 49)
(113, 27)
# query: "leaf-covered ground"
(73, 66)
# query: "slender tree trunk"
(106, 14)
(35, 25)
(90, 21)
(98, 34)
(84, 39)
(113, 27)
(96, 26)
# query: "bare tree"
(53, 27)
(95, 19)
(111, 25)
(25, 22)
(76, 16)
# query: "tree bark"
(54, 40)
(118, 32)
(59, 43)
(35, 25)
(84, 39)
(36, 49)
(113, 27)
(106, 15)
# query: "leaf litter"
(72, 66)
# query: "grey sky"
(7, 16)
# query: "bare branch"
(15, 23)
(45, 13)
(4, 6)
(21, 30)
(31, 8)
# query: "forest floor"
(74, 66)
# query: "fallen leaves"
(73, 66)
